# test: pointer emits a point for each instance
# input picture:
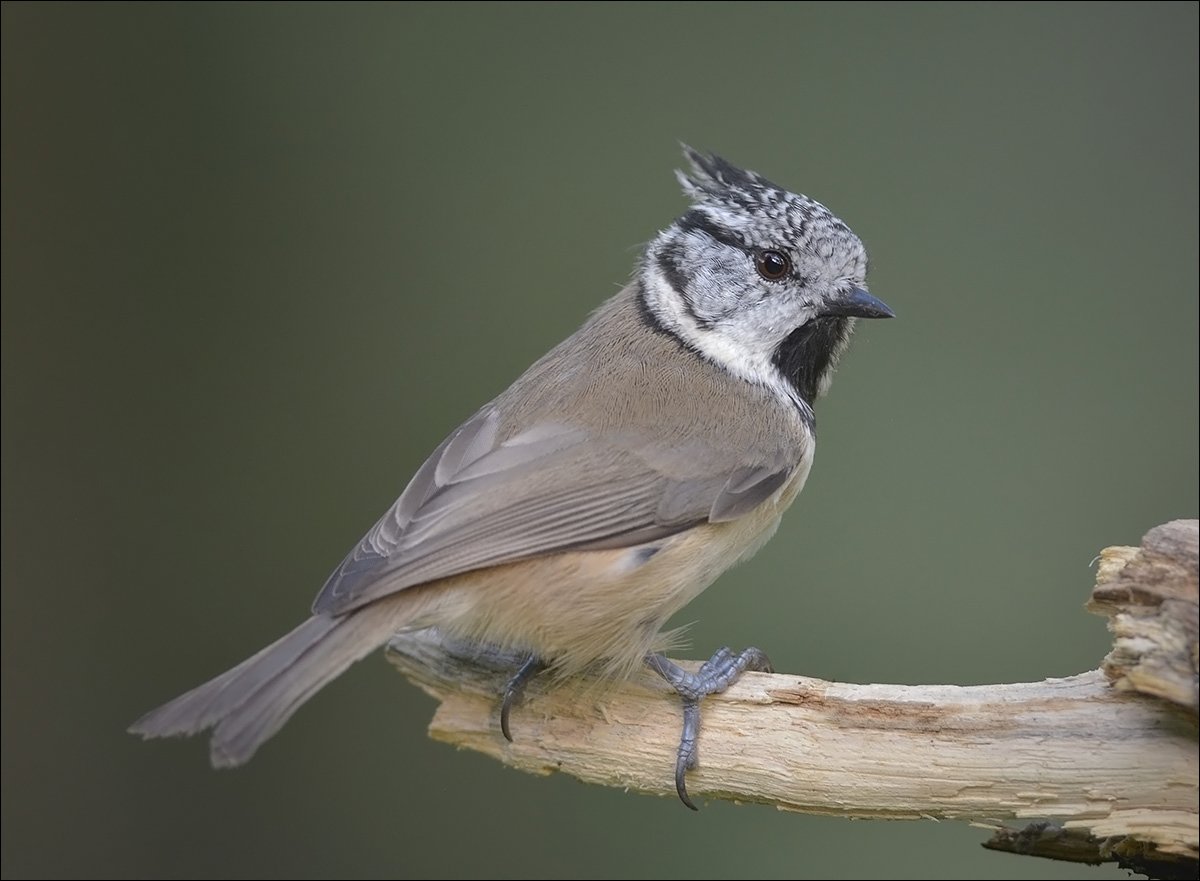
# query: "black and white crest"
(758, 209)
(740, 274)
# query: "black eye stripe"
(778, 264)
(699, 221)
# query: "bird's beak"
(857, 303)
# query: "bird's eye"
(772, 265)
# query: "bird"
(570, 517)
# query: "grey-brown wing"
(476, 503)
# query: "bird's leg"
(515, 687)
(717, 674)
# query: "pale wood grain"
(1108, 757)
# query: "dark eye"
(772, 265)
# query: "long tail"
(248, 704)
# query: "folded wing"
(478, 501)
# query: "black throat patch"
(809, 352)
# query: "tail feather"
(239, 734)
(207, 704)
(249, 703)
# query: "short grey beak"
(857, 303)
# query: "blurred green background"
(258, 260)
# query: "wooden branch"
(1149, 597)
(1107, 760)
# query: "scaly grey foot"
(717, 674)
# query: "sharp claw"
(760, 663)
(514, 689)
(681, 783)
(715, 675)
(505, 706)
(681, 788)
(688, 757)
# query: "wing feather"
(476, 503)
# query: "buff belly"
(599, 610)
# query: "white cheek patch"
(744, 348)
